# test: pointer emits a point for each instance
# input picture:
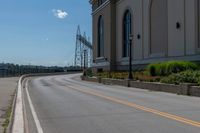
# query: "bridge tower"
(78, 61)
(83, 50)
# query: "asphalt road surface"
(65, 104)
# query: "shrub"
(102, 74)
(183, 77)
(152, 69)
(170, 67)
(144, 76)
(114, 75)
(119, 75)
(89, 73)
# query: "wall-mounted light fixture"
(138, 36)
(178, 25)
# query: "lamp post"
(84, 69)
(130, 76)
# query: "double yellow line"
(139, 107)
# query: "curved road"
(65, 104)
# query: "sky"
(42, 32)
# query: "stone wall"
(182, 89)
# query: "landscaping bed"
(171, 72)
(180, 77)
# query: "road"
(65, 104)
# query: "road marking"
(139, 107)
(35, 117)
(26, 128)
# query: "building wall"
(191, 30)
(162, 30)
(183, 41)
(176, 36)
(158, 28)
(146, 28)
(103, 11)
(136, 11)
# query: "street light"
(84, 69)
(130, 76)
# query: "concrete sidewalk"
(7, 89)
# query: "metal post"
(130, 76)
(84, 69)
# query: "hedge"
(183, 77)
(170, 67)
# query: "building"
(161, 30)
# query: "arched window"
(126, 33)
(100, 48)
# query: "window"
(100, 48)
(126, 33)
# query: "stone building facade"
(161, 30)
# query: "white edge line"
(26, 130)
(35, 117)
(18, 124)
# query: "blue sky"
(41, 32)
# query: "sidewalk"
(7, 89)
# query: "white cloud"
(60, 13)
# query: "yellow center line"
(139, 107)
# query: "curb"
(18, 117)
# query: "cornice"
(101, 7)
(92, 1)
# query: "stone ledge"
(115, 82)
(182, 89)
(194, 91)
(90, 79)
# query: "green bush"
(89, 73)
(114, 75)
(183, 77)
(170, 67)
(152, 69)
